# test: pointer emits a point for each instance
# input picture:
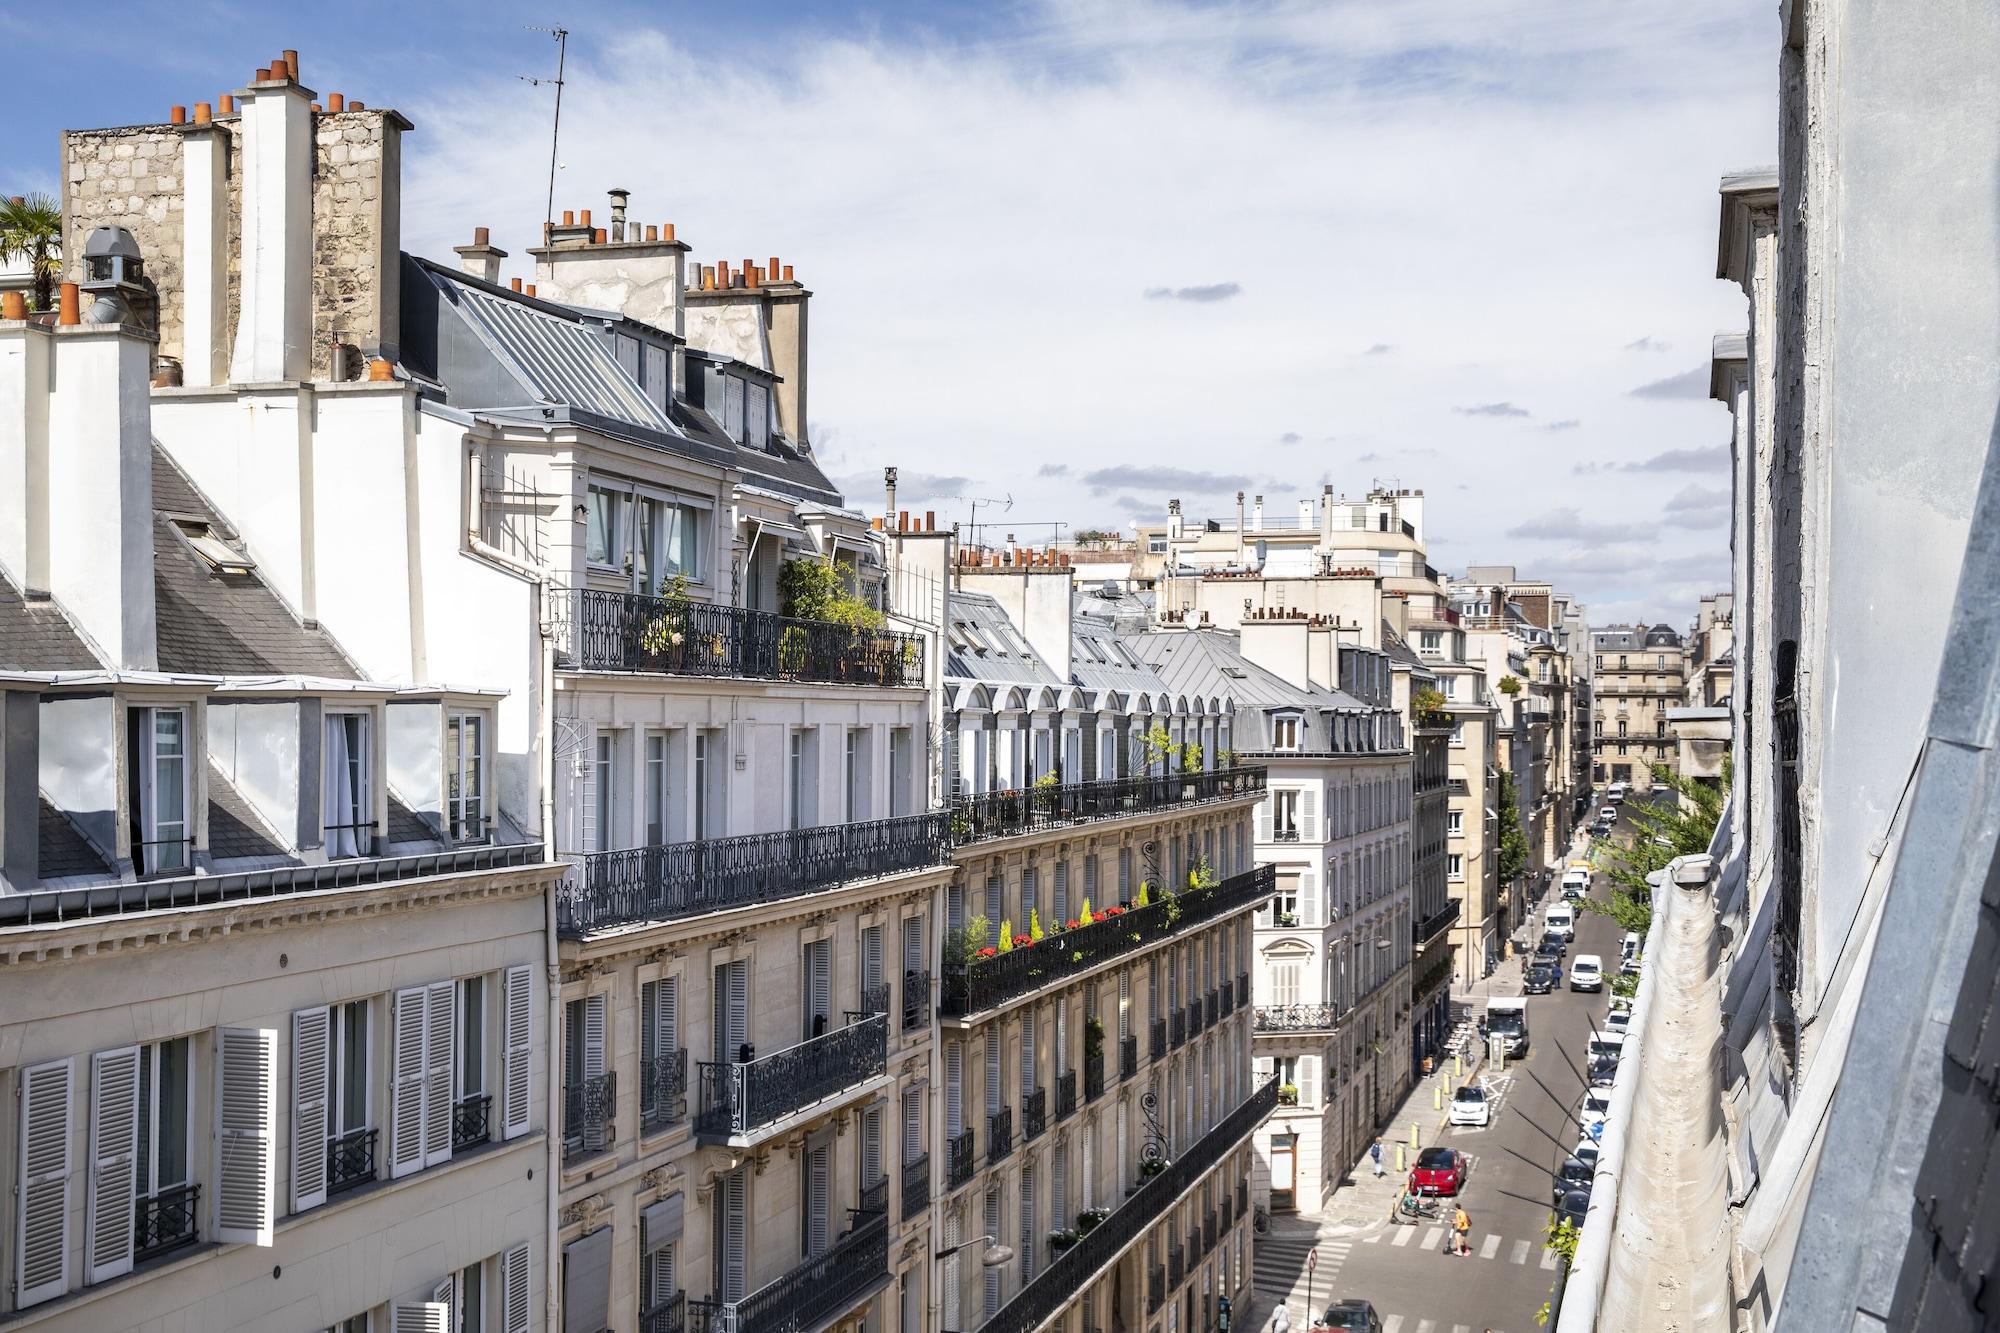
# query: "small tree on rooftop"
(31, 229)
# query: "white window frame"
(151, 857)
(467, 816)
(614, 502)
(363, 824)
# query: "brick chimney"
(773, 336)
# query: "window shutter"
(1264, 817)
(1124, 1003)
(245, 1134)
(114, 1152)
(514, 1290)
(954, 906)
(1030, 899)
(871, 957)
(309, 1093)
(739, 1006)
(954, 1089)
(439, 1043)
(1059, 909)
(666, 1016)
(734, 1205)
(41, 1253)
(406, 1081)
(819, 983)
(586, 806)
(1089, 880)
(996, 904)
(514, 1110)
(593, 1036)
(1028, 1025)
(1308, 801)
(992, 1071)
(913, 944)
(871, 1146)
(913, 1125)
(992, 1275)
(420, 1317)
(1088, 1162)
(1124, 879)
(1027, 1222)
(1059, 1187)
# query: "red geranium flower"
(988, 952)
(1070, 924)
(1114, 911)
(1022, 941)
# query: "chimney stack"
(889, 489)
(204, 251)
(274, 317)
(618, 198)
(481, 259)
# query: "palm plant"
(31, 229)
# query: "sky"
(1073, 260)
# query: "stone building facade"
(1637, 673)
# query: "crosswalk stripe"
(1489, 1247)
(1461, 1328)
(1548, 1258)
(1393, 1324)
(1404, 1236)
(1520, 1252)
(1427, 1326)
(1434, 1238)
(1371, 1238)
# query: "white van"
(1586, 972)
(1630, 948)
(1616, 791)
(1576, 883)
(1562, 917)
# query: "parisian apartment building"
(1638, 674)
(523, 924)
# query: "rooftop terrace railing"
(1005, 814)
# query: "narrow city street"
(1407, 1272)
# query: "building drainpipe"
(545, 737)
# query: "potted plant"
(1090, 1219)
(1287, 918)
(1063, 1237)
(1152, 1166)
(1093, 1039)
(1288, 1094)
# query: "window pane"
(353, 1065)
(173, 1112)
(472, 1036)
(602, 533)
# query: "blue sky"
(1093, 256)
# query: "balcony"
(740, 1100)
(588, 1105)
(1010, 813)
(1282, 1018)
(166, 1221)
(916, 1000)
(1242, 989)
(663, 1085)
(961, 1159)
(1034, 1114)
(1176, 1029)
(1093, 1076)
(669, 1316)
(999, 1135)
(973, 987)
(616, 631)
(1157, 1043)
(1128, 1058)
(916, 1186)
(1211, 1008)
(813, 1294)
(1226, 999)
(1195, 1019)
(1055, 1287)
(350, 1160)
(1435, 924)
(471, 1121)
(683, 879)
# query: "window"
(1285, 816)
(668, 539)
(604, 805)
(660, 1227)
(1621, 726)
(472, 1102)
(586, 1121)
(1284, 983)
(707, 779)
(166, 1213)
(856, 774)
(604, 537)
(1621, 661)
(1621, 747)
(161, 834)
(465, 775)
(1454, 822)
(347, 805)
(350, 1139)
(1156, 546)
(732, 408)
(657, 788)
(1661, 662)
(757, 417)
(1660, 727)
(1285, 732)
(1454, 866)
(1430, 641)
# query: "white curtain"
(345, 788)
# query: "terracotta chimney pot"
(788, 273)
(517, 284)
(531, 289)
(336, 101)
(598, 236)
(13, 305)
(652, 233)
(67, 307)
(749, 275)
(228, 101)
(708, 277)
(177, 115)
(667, 232)
(292, 63)
(380, 371)
(583, 218)
(902, 520)
(481, 235)
(263, 75)
(203, 113)
(930, 520)
(569, 217)
(357, 105)
(773, 270)
(876, 523)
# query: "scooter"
(1412, 1209)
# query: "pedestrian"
(1281, 1319)
(1461, 1225)
(1375, 1153)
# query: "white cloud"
(980, 216)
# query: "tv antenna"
(975, 501)
(555, 132)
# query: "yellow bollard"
(1458, 1065)
(1437, 1098)
(1413, 1135)
(1400, 1167)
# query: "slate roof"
(781, 468)
(407, 826)
(1399, 650)
(1210, 662)
(63, 850)
(981, 643)
(36, 636)
(234, 830)
(223, 624)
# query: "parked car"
(1585, 1151)
(1596, 1109)
(1572, 1206)
(1469, 1107)
(1561, 917)
(1573, 1174)
(1352, 1316)
(1539, 979)
(1600, 829)
(1616, 791)
(1550, 956)
(1586, 973)
(1440, 1171)
(1618, 1021)
(1628, 948)
(1608, 814)
(1553, 941)
(1602, 1070)
(1629, 968)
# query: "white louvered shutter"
(738, 1012)
(41, 1248)
(1059, 906)
(913, 945)
(1089, 880)
(1264, 817)
(992, 1275)
(514, 1290)
(1027, 1222)
(420, 1317)
(246, 1132)
(1027, 1054)
(913, 1125)
(954, 1089)
(871, 1146)
(309, 1094)
(992, 1071)
(440, 1031)
(1124, 1004)
(406, 1080)
(519, 1035)
(819, 984)
(1124, 1132)
(1308, 803)
(1089, 1162)
(114, 1153)
(871, 957)
(1124, 879)
(996, 904)
(666, 1016)
(735, 1203)
(585, 785)
(1030, 899)
(1059, 1187)
(954, 905)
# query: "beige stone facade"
(1637, 674)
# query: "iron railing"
(1128, 1058)
(350, 1160)
(1158, 1043)
(1176, 1029)
(874, 1000)
(1242, 989)
(740, 1098)
(1034, 1114)
(1017, 810)
(916, 1186)
(1226, 993)
(961, 1159)
(1055, 1287)
(1195, 1016)
(1065, 1094)
(1211, 1005)
(916, 1000)
(471, 1120)
(48, 906)
(1156, 1289)
(999, 1135)
(619, 631)
(1093, 1076)
(980, 984)
(811, 1294)
(1295, 1018)
(689, 878)
(663, 1085)
(1174, 1265)
(669, 1316)
(1436, 923)
(873, 1198)
(588, 1106)
(165, 1221)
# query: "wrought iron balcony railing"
(1093, 1076)
(1034, 1114)
(471, 1120)
(1296, 1018)
(1055, 1287)
(1158, 1044)
(1435, 924)
(980, 984)
(1128, 1058)
(961, 1159)
(1065, 1094)
(686, 879)
(999, 1135)
(873, 1198)
(1195, 1017)
(1005, 814)
(1176, 1029)
(1211, 1006)
(669, 1316)
(817, 1291)
(1226, 995)
(617, 631)
(1156, 1289)
(663, 1086)
(1174, 1262)
(916, 1000)
(916, 1186)
(742, 1098)
(1242, 989)
(350, 1160)
(588, 1105)
(165, 1221)
(874, 1000)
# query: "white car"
(1609, 814)
(1586, 972)
(1585, 1151)
(1470, 1107)
(1618, 1021)
(1596, 1110)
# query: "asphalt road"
(1405, 1271)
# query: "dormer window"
(1285, 733)
(757, 418)
(732, 408)
(347, 801)
(162, 834)
(465, 776)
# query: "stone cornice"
(94, 936)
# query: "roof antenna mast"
(555, 132)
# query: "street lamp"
(996, 1255)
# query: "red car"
(1440, 1171)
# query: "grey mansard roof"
(1210, 663)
